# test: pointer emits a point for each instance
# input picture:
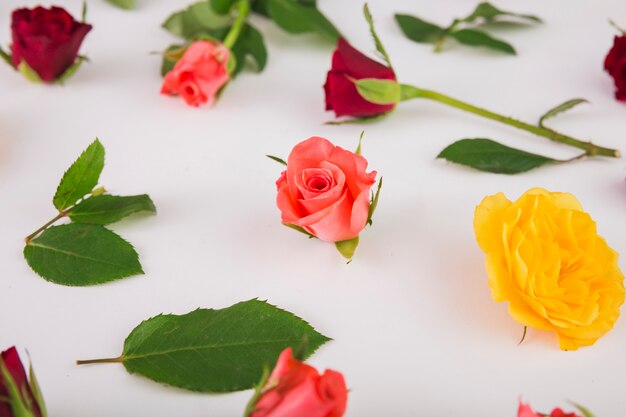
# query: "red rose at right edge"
(47, 40)
(615, 65)
(342, 96)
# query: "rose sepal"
(259, 388)
(6, 57)
(69, 73)
(29, 73)
(347, 248)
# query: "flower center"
(318, 183)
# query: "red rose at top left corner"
(47, 40)
(615, 65)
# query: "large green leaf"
(490, 156)
(297, 17)
(488, 12)
(250, 43)
(474, 37)
(124, 4)
(81, 255)
(216, 350)
(195, 20)
(81, 177)
(106, 209)
(569, 104)
(419, 30)
(221, 6)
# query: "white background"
(415, 330)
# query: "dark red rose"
(615, 65)
(46, 39)
(24, 398)
(341, 94)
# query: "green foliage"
(250, 44)
(81, 177)
(378, 91)
(379, 45)
(28, 73)
(374, 202)
(277, 159)
(463, 29)
(569, 104)
(301, 17)
(69, 73)
(347, 248)
(221, 6)
(107, 209)
(80, 255)
(197, 19)
(216, 350)
(6, 57)
(490, 156)
(123, 4)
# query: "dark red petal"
(343, 98)
(351, 61)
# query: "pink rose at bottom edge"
(526, 411)
(295, 389)
(199, 74)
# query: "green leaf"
(195, 20)
(171, 55)
(347, 248)
(123, 4)
(250, 43)
(378, 91)
(28, 72)
(295, 17)
(561, 108)
(358, 148)
(6, 57)
(106, 209)
(487, 155)
(69, 73)
(277, 159)
(81, 177)
(584, 410)
(221, 6)
(374, 202)
(489, 13)
(299, 229)
(419, 30)
(379, 45)
(215, 350)
(81, 255)
(474, 37)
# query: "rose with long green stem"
(365, 90)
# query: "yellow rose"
(546, 259)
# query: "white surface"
(416, 331)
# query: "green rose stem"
(409, 92)
(119, 359)
(242, 8)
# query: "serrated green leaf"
(123, 4)
(221, 6)
(419, 30)
(195, 20)
(81, 177)
(490, 156)
(474, 37)
(561, 108)
(250, 43)
(584, 410)
(81, 255)
(215, 350)
(107, 209)
(6, 57)
(489, 12)
(377, 42)
(28, 72)
(277, 159)
(378, 91)
(296, 17)
(347, 248)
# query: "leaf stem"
(33, 235)
(119, 359)
(243, 10)
(410, 92)
(445, 34)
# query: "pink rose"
(199, 74)
(526, 411)
(325, 190)
(296, 389)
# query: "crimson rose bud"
(46, 39)
(615, 65)
(18, 396)
(342, 95)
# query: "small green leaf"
(277, 159)
(250, 43)
(347, 248)
(295, 17)
(81, 255)
(123, 4)
(69, 73)
(489, 13)
(215, 350)
(419, 30)
(81, 177)
(195, 20)
(221, 6)
(561, 108)
(28, 72)
(490, 156)
(474, 37)
(378, 91)
(374, 202)
(358, 148)
(379, 45)
(6, 57)
(107, 209)
(299, 229)
(584, 410)
(171, 55)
